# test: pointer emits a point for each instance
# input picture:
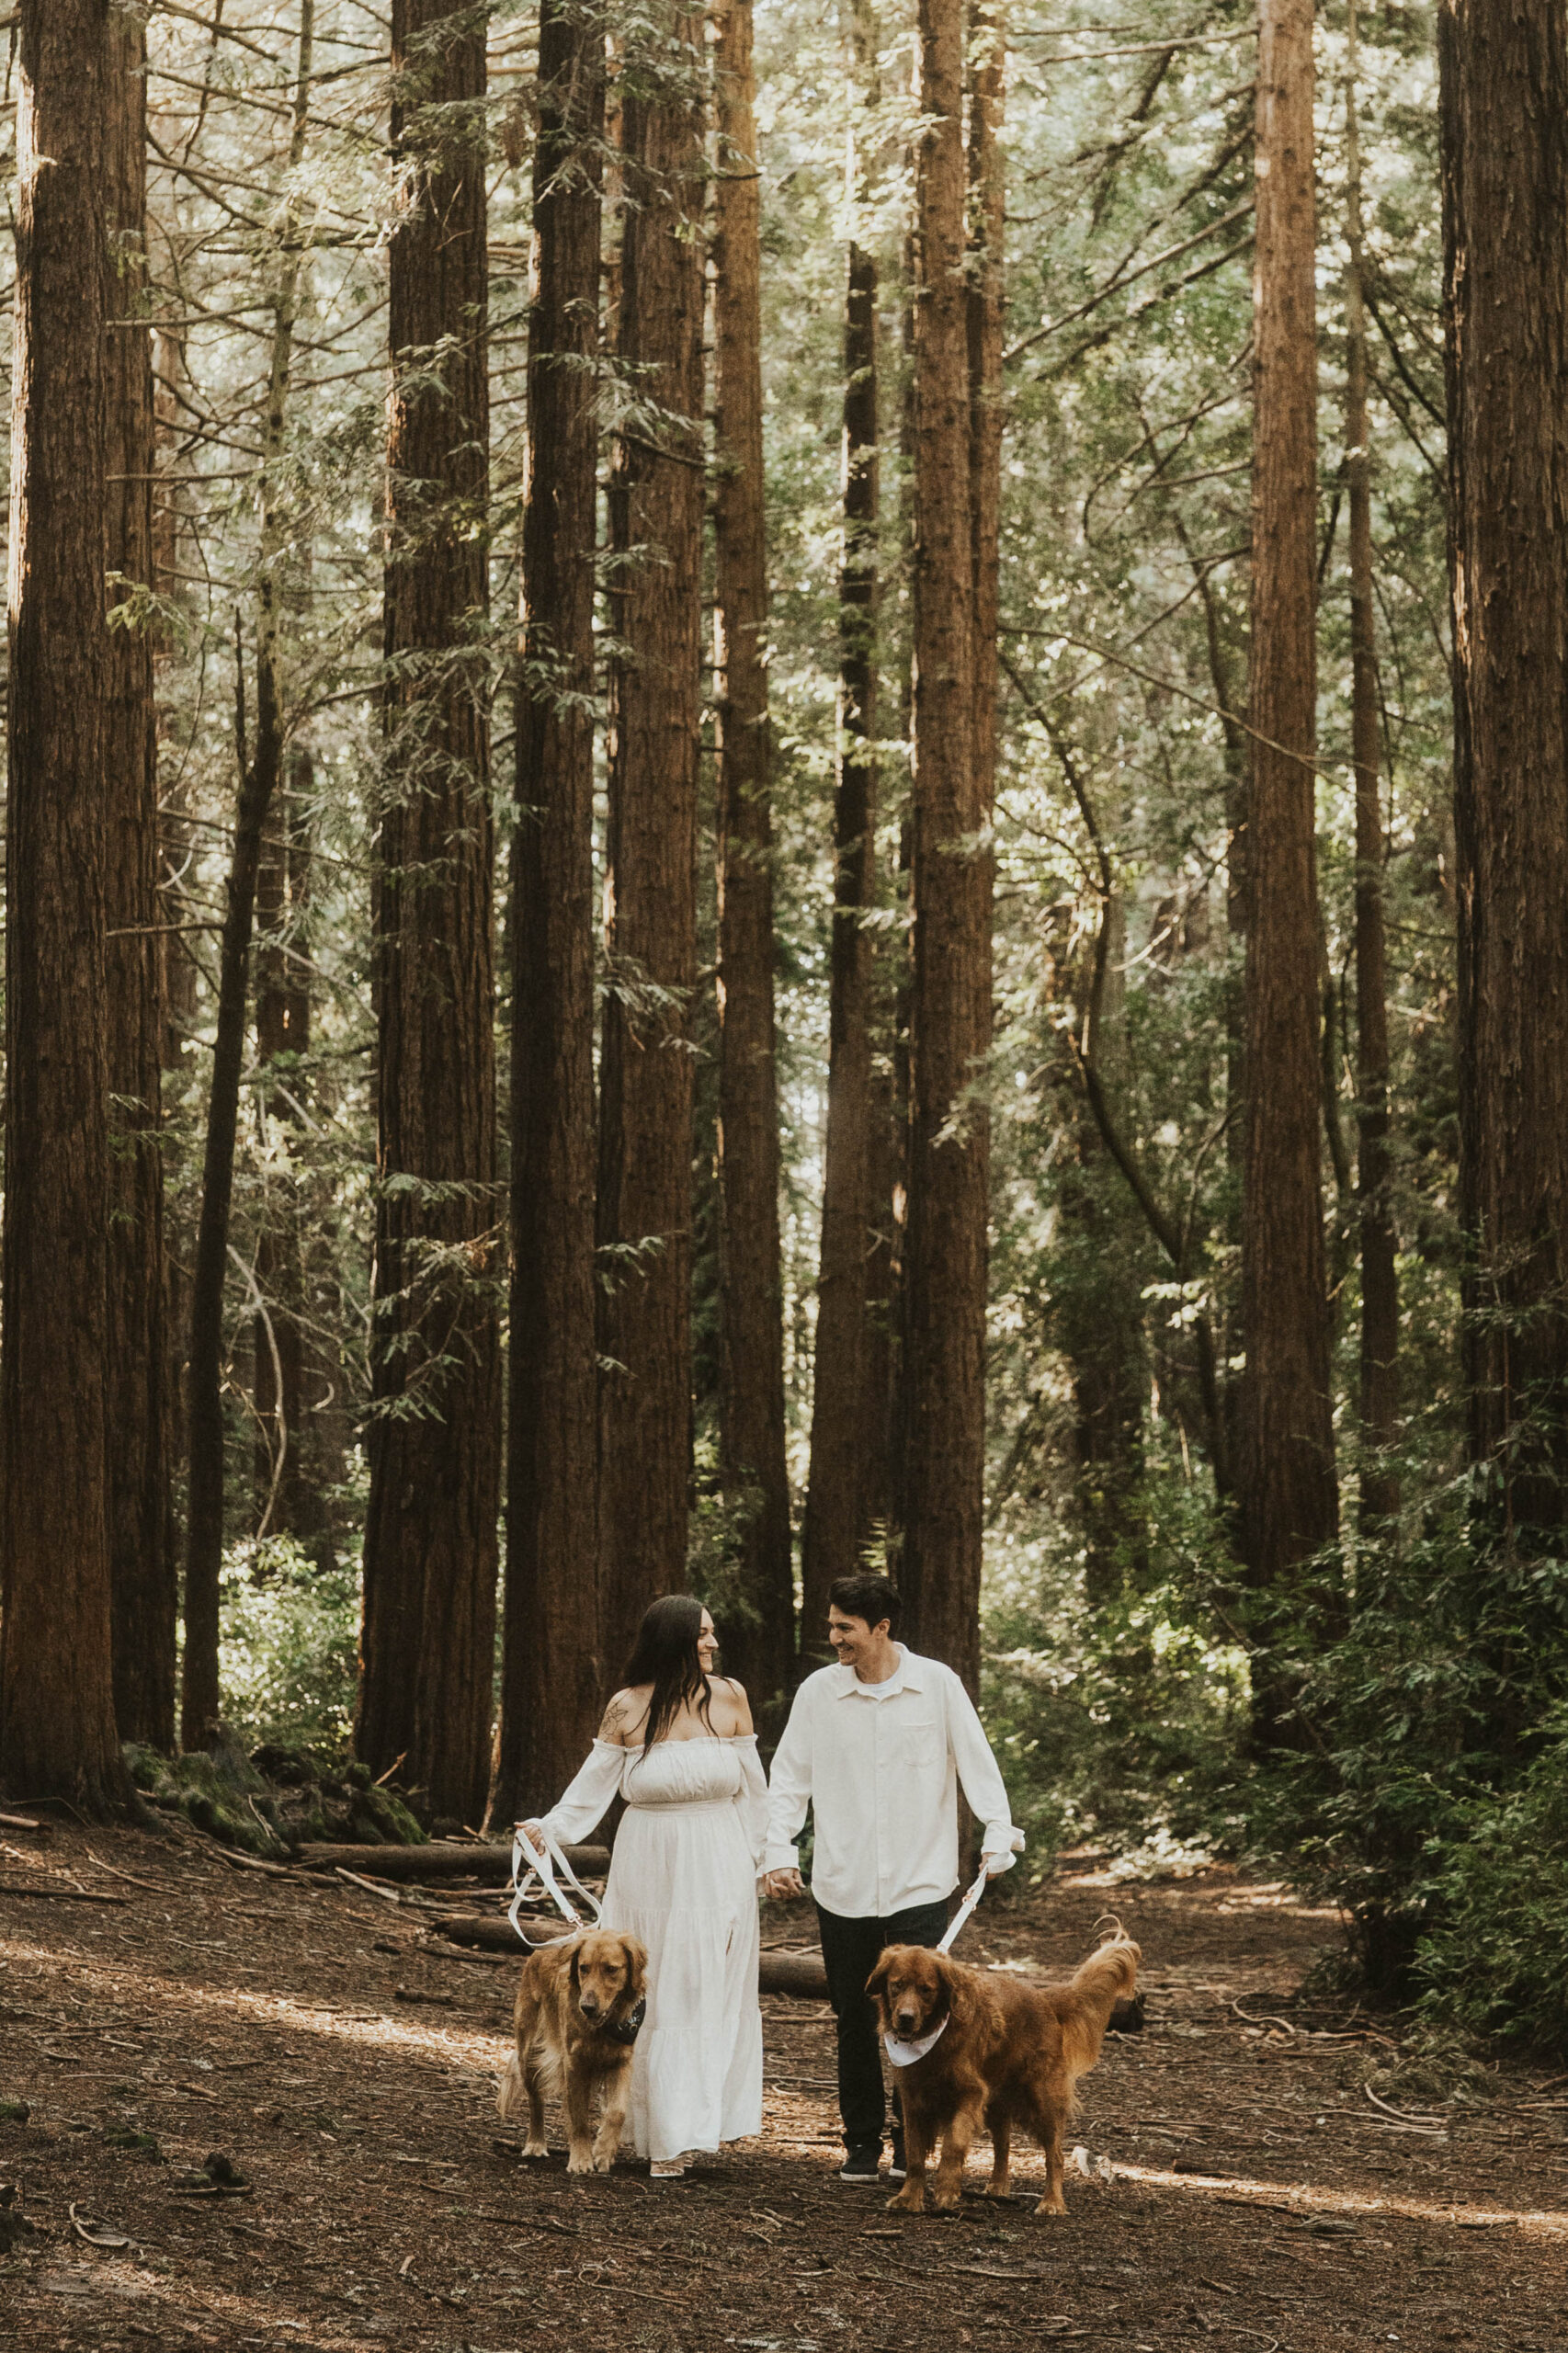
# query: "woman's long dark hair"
(664, 1654)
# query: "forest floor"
(1243, 2187)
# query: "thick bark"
(57, 1728)
(1505, 100)
(1286, 1472)
(645, 1102)
(200, 1696)
(1379, 1277)
(848, 1402)
(950, 996)
(550, 1675)
(142, 1560)
(750, 1285)
(431, 1549)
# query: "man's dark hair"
(868, 1595)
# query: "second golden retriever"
(1005, 2053)
(579, 2009)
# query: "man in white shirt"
(878, 1745)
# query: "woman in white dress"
(676, 1744)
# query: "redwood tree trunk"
(1505, 100)
(57, 1727)
(1288, 1495)
(848, 1403)
(550, 1677)
(751, 1287)
(645, 1102)
(431, 1547)
(950, 996)
(1379, 1277)
(143, 1564)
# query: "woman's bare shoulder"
(729, 1696)
(626, 1712)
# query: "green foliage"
(1120, 1721)
(1493, 1957)
(289, 1650)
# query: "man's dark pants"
(849, 1950)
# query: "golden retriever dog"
(1007, 2053)
(579, 2009)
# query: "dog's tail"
(1108, 1976)
(509, 2097)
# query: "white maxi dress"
(683, 1877)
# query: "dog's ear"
(952, 1991)
(636, 1961)
(572, 1970)
(877, 1984)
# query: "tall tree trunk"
(848, 1408)
(288, 1475)
(1096, 1307)
(550, 1674)
(645, 1102)
(143, 1564)
(1379, 1278)
(431, 1549)
(1505, 100)
(57, 1727)
(177, 972)
(751, 1282)
(1288, 1495)
(986, 306)
(200, 1696)
(950, 998)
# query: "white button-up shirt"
(881, 1769)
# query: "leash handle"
(965, 1910)
(538, 1866)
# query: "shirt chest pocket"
(916, 1746)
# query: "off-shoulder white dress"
(683, 1877)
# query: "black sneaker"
(861, 2167)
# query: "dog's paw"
(911, 2199)
(536, 2148)
(604, 2160)
(947, 2197)
(1049, 2205)
(580, 2161)
(1003, 2189)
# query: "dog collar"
(905, 2054)
(629, 2026)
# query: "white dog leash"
(533, 1866)
(902, 2053)
(965, 1910)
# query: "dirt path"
(1257, 2197)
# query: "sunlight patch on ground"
(1306, 2198)
(235, 2319)
(124, 1981)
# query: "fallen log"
(438, 1858)
(778, 1972)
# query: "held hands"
(779, 1884)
